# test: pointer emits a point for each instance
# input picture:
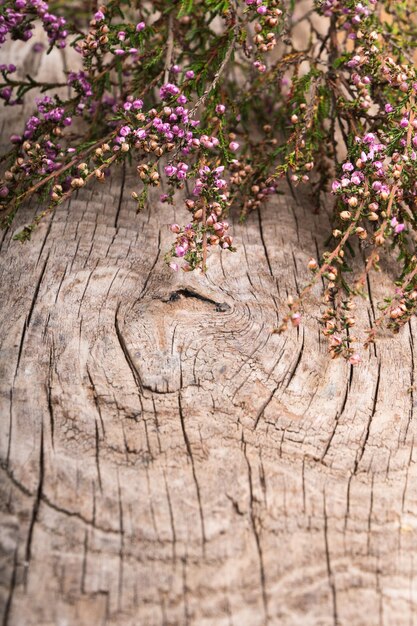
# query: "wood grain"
(167, 460)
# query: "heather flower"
(136, 101)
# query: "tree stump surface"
(166, 459)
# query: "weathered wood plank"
(166, 460)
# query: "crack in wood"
(197, 486)
(257, 536)
(369, 422)
(35, 510)
(330, 573)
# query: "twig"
(380, 319)
(170, 47)
(204, 237)
(395, 187)
(327, 263)
(219, 72)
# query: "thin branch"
(219, 72)
(170, 47)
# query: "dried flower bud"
(345, 215)
(361, 232)
(77, 183)
(396, 312)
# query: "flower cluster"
(351, 14)
(208, 112)
(7, 91)
(16, 21)
(268, 24)
(208, 229)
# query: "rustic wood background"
(166, 459)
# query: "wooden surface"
(166, 460)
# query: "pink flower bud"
(175, 228)
(355, 359)
(296, 319)
(179, 251)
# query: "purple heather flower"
(398, 228)
(140, 26)
(369, 138)
(170, 170)
(125, 131)
(180, 251)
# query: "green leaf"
(186, 8)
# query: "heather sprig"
(220, 101)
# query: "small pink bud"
(355, 359)
(296, 319)
(396, 312)
(175, 228)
